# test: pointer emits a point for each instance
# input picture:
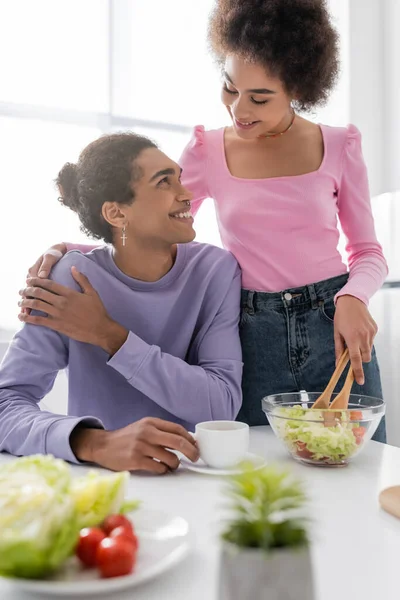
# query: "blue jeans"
(288, 346)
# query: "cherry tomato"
(356, 415)
(115, 557)
(89, 540)
(359, 433)
(302, 450)
(125, 533)
(113, 521)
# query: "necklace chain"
(274, 135)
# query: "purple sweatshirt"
(181, 361)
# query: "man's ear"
(113, 213)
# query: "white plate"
(255, 460)
(164, 542)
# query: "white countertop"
(349, 530)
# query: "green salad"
(316, 440)
(43, 507)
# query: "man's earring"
(124, 236)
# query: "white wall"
(374, 87)
(391, 99)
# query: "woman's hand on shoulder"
(44, 264)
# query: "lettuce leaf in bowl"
(301, 431)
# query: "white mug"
(222, 444)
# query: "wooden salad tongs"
(342, 399)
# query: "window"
(55, 54)
(177, 81)
(337, 111)
(31, 217)
(74, 69)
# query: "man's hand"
(80, 316)
(141, 446)
(356, 329)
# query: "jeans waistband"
(311, 294)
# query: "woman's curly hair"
(104, 172)
(293, 39)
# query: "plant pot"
(252, 574)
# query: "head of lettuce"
(43, 508)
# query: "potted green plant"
(265, 550)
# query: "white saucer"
(164, 542)
(256, 461)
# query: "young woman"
(280, 183)
(149, 366)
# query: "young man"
(147, 326)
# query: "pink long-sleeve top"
(283, 231)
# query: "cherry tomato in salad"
(89, 540)
(355, 415)
(359, 433)
(302, 450)
(113, 521)
(125, 533)
(115, 557)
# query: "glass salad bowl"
(328, 438)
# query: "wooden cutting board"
(389, 499)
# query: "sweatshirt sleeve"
(27, 374)
(205, 391)
(194, 168)
(367, 265)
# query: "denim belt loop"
(250, 302)
(313, 296)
